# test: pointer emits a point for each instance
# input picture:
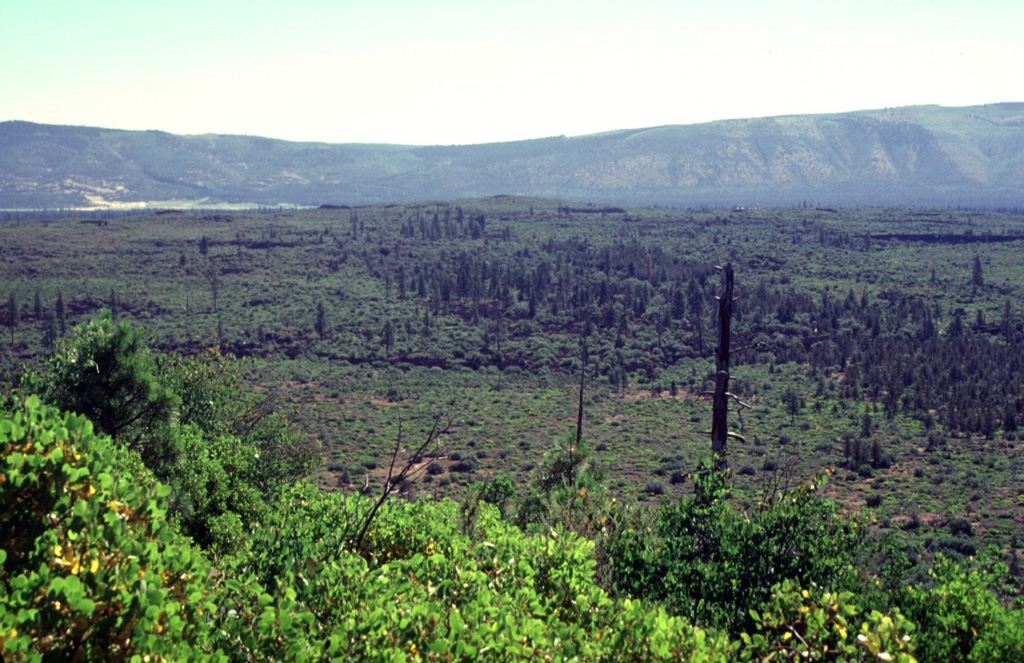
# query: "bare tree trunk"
(720, 407)
(579, 411)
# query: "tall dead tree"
(720, 403)
(579, 412)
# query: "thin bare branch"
(442, 424)
(760, 345)
(737, 399)
(739, 410)
(728, 393)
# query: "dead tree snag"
(720, 402)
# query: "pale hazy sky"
(462, 71)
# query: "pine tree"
(49, 330)
(106, 372)
(321, 320)
(388, 337)
(1007, 326)
(61, 314)
(12, 315)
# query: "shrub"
(498, 491)
(89, 569)
(714, 564)
(678, 477)
(960, 618)
(464, 466)
(955, 545)
(960, 527)
(215, 490)
(815, 625)
(222, 453)
(654, 487)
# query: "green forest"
(481, 430)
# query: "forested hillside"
(922, 155)
(479, 430)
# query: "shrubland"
(93, 571)
(191, 535)
(869, 516)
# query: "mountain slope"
(921, 154)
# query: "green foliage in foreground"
(188, 422)
(715, 564)
(801, 624)
(91, 571)
(963, 619)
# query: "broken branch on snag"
(760, 345)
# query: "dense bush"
(91, 571)
(713, 563)
(223, 453)
(960, 615)
(814, 625)
(498, 491)
(654, 487)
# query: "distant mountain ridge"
(912, 155)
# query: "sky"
(444, 72)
